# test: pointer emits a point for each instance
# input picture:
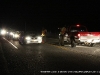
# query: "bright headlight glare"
(28, 38)
(3, 32)
(40, 41)
(16, 35)
(11, 33)
(39, 37)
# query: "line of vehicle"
(11, 43)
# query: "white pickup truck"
(82, 36)
(89, 38)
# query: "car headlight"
(11, 33)
(39, 37)
(28, 38)
(16, 35)
(3, 32)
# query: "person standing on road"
(62, 33)
(44, 32)
(72, 40)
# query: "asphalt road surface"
(47, 58)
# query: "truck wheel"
(92, 44)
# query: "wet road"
(47, 58)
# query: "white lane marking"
(11, 43)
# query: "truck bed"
(90, 37)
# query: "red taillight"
(78, 35)
(78, 25)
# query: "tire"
(92, 44)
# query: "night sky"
(50, 14)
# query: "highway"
(47, 58)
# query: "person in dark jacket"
(72, 40)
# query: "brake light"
(78, 25)
(78, 35)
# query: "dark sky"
(50, 14)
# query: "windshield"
(78, 29)
(32, 33)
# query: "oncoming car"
(16, 36)
(28, 38)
